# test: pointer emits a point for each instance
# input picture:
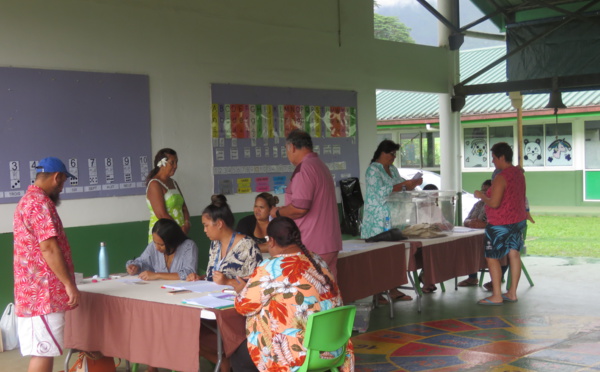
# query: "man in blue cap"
(43, 268)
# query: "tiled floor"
(512, 343)
(554, 326)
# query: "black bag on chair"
(392, 235)
(352, 201)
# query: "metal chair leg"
(67, 358)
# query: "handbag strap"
(78, 363)
(91, 355)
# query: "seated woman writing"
(255, 225)
(170, 255)
(232, 255)
(278, 299)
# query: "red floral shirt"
(38, 291)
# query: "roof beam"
(565, 83)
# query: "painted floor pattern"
(493, 343)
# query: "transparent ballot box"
(434, 207)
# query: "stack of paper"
(215, 301)
(199, 286)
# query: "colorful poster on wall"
(249, 125)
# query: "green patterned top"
(173, 202)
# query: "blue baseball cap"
(52, 165)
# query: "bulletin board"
(98, 124)
(250, 124)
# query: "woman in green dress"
(163, 196)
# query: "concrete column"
(450, 160)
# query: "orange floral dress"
(277, 301)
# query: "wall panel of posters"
(250, 124)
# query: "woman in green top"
(163, 196)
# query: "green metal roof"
(402, 105)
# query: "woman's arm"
(186, 259)
(151, 275)
(410, 185)
(497, 192)
(474, 223)
(156, 195)
(143, 262)
(187, 224)
(251, 299)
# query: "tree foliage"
(390, 28)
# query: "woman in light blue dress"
(382, 179)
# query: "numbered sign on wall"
(96, 123)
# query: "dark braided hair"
(285, 232)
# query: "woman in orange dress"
(278, 299)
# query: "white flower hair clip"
(267, 238)
(162, 162)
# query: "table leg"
(219, 346)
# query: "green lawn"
(564, 236)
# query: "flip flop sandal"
(429, 289)
(506, 299)
(487, 302)
(403, 297)
(468, 283)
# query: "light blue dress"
(379, 187)
(184, 262)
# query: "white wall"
(185, 45)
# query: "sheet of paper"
(224, 296)
(199, 286)
(418, 175)
(208, 301)
(129, 280)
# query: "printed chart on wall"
(98, 124)
(250, 124)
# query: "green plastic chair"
(135, 366)
(327, 330)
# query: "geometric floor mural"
(507, 343)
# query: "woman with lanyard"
(232, 255)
